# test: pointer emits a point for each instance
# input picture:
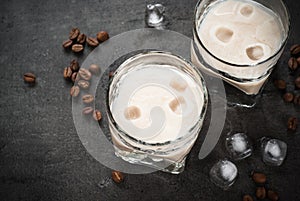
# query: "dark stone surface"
(41, 157)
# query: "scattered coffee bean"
(74, 65)
(74, 76)
(297, 82)
(74, 33)
(74, 91)
(247, 198)
(117, 176)
(260, 192)
(67, 73)
(97, 115)
(111, 73)
(83, 84)
(87, 110)
(88, 98)
(85, 74)
(102, 36)
(288, 97)
(259, 178)
(77, 48)
(272, 195)
(94, 69)
(292, 63)
(81, 38)
(29, 78)
(67, 44)
(280, 84)
(295, 50)
(292, 123)
(93, 42)
(298, 61)
(297, 100)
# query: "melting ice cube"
(154, 16)
(239, 146)
(273, 151)
(223, 174)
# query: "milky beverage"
(156, 104)
(240, 33)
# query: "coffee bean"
(259, 178)
(67, 73)
(292, 123)
(77, 48)
(29, 78)
(74, 91)
(74, 33)
(260, 192)
(288, 97)
(297, 100)
(85, 74)
(295, 50)
(292, 63)
(87, 110)
(280, 84)
(88, 98)
(298, 61)
(74, 65)
(117, 176)
(81, 38)
(93, 42)
(110, 74)
(97, 115)
(94, 69)
(297, 82)
(247, 198)
(272, 195)
(102, 36)
(67, 44)
(74, 76)
(83, 84)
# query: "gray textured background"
(41, 156)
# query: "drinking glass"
(247, 79)
(141, 145)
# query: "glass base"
(236, 95)
(236, 98)
(152, 161)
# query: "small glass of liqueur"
(156, 105)
(240, 41)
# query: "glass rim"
(168, 142)
(241, 65)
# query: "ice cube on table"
(223, 174)
(238, 146)
(273, 151)
(154, 16)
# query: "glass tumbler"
(239, 41)
(156, 105)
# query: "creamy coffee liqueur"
(238, 33)
(157, 103)
(241, 32)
